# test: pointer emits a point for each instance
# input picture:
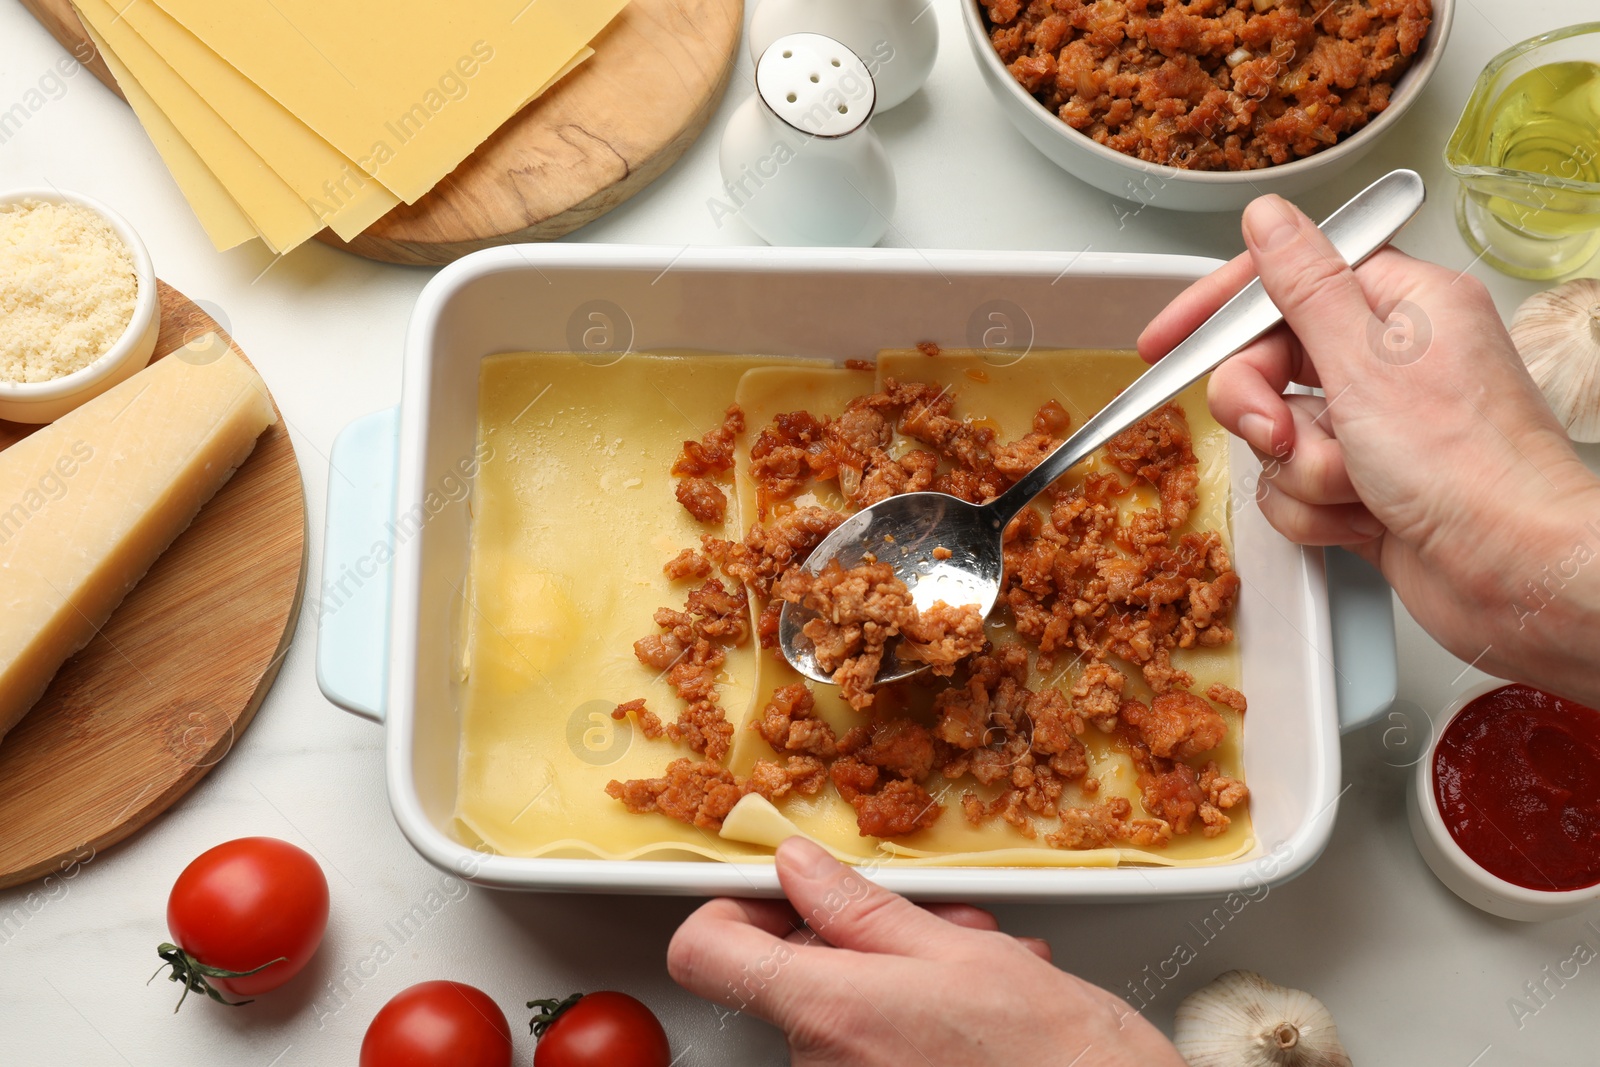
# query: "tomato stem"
(193, 974)
(549, 1012)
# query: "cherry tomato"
(598, 1030)
(438, 1024)
(246, 916)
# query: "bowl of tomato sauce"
(1505, 807)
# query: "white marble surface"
(1413, 975)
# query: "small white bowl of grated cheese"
(78, 305)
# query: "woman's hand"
(1433, 455)
(854, 974)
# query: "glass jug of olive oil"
(1527, 152)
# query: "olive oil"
(1546, 124)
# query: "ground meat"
(1173, 795)
(687, 564)
(1221, 793)
(1052, 419)
(882, 477)
(860, 431)
(1227, 696)
(899, 808)
(926, 418)
(768, 624)
(1108, 823)
(713, 453)
(649, 722)
(1022, 455)
(1092, 827)
(1081, 581)
(928, 348)
(963, 715)
(942, 636)
(1056, 726)
(787, 455)
(1220, 85)
(1176, 725)
(798, 448)
(901, 747)
(805, 775)
(701, 724)
(720, 615)
(789, 724)
(703, 500)
(1088, 584)
(1097, 695)
(1158, 449)
(1221, 790)
(858, 611)
(700, 794)
(690, 651)
(772, 548)
(860, 364)
(1002, 733)
(852, 778)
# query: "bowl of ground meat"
(1202, 106)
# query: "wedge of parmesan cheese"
(88, 503)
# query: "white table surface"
(1412, 975)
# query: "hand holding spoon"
(904, 531)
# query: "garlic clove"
(1243, 1020)
(1557, 332)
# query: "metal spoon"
(904, 531)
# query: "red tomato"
(246, 903)
(438, 1024)
(600, 1030)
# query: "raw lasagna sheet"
(405, 88)
(574, 516)
(345, 198)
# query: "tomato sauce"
(1517, 778)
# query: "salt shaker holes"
(800, 163)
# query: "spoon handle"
(1358, 229)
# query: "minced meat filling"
(712, 454)
(1210, 84)
(860, 610)
(1112, 591)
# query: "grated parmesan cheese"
(67, 289)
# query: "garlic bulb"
(1243, 1020)
(1558, 334)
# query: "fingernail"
(806, 857)
(1270, 221)
(1256, 429)
(1368, 526)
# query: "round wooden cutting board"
(160, 696)
(603, 133)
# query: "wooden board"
(609, 128)
(161, 695)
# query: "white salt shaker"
(897, 39)
(800, 162)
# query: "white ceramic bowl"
(39, 402)
(388, 621)
(1155, 185)
(1460, 873)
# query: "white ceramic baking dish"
(398, 522)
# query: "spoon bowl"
(913, 534)
(906, 531)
